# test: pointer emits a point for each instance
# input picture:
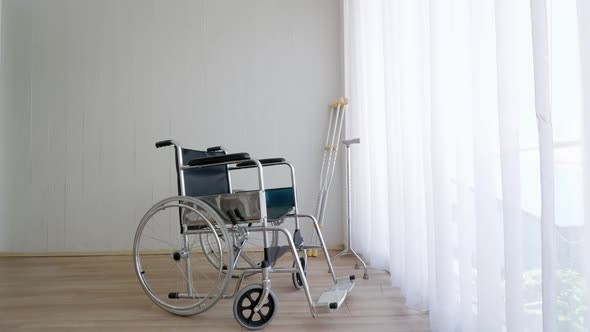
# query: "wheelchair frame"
(327, 302)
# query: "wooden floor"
(101, 293)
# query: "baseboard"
(67, 253)
(96, 253)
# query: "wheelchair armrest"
(262, 161)
(224, 159)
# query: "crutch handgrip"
(340, 103)
(351, 141)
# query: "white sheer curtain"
(471, 182)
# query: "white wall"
(15, 102)
(3, 165)
(93, 84)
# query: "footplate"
(334, 297)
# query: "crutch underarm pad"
(224, 159)
(262, 161)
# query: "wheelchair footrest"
(334, 297)
(310, 246)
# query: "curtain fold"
(470, 184)
(540, 29)
(583, 11)
(509, 105)
(1, 31)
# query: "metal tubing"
(293, 183)
(360, 260)
(326, 157)
(336, 150)
(265, 165)
(160, 206)
(348, 250)
(298, 263)
(323, 244)
(263, 216)
(265, 288)
(284, 270)
(328, 160)
(348, 194)
(179, 168)
(320, 237)
(189, 271)
(326, 146)
(328, 169)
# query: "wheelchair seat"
(212, 185)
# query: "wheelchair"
(188, 248)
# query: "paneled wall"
(15, 109)
(3, 165)
(89, 86)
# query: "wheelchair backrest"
(205, 181)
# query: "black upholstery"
(215, 148)
(162, 144)
(204, 181)
(262, 161)
(204, 161)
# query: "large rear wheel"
(169, 260)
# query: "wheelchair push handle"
(162, 144)
(169, 142)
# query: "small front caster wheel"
(296, 277)
(245, 302)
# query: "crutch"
(329, 161)
(348, 250)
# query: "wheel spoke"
(186, 278)
(165, 242)
(161, 275)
